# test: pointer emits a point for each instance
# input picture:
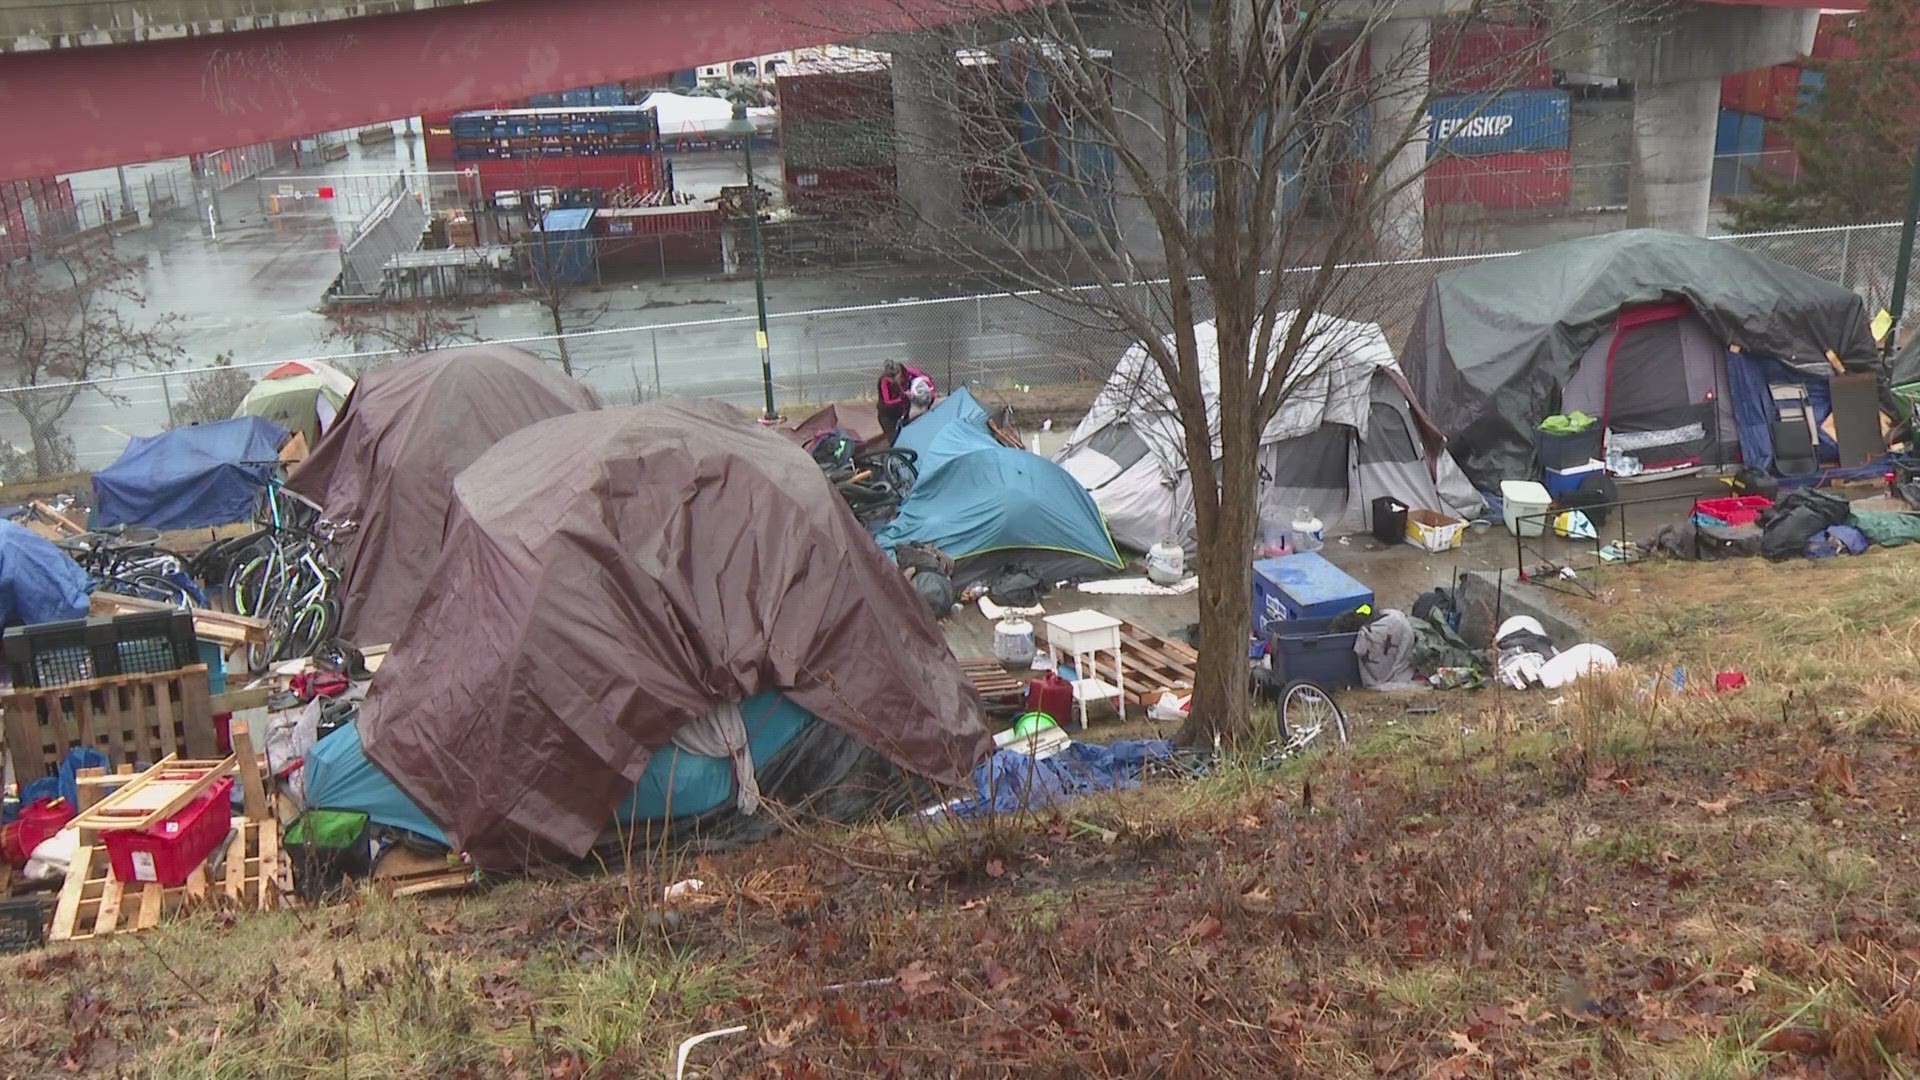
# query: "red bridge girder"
(84, 108)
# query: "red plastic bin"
(169, 851)
(1734, 511)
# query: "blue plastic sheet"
(1837, 540)
(1010, 781)
(38, 582)
(190, 477)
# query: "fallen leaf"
(1795, 1040)
(1716, 807)
(1258, 894)
(1206, 928)
(1744, 984)
(998, 977)
(1465, 1045)
(996, 868)
(915, 978)
(1663, 1031)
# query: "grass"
(1616, 880)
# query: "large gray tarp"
(1495, 341)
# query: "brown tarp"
(610, 576)
(389, 461)
(864, 423)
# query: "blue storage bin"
(1563, 482)
(1303, 586)
(1303, 649)
(216, 667)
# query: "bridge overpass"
(95, 83)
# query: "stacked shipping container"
(1502, 151)
(33, 212)
(1752, 102)
(836, 134)
(600, 147)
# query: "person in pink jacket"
(905, 392)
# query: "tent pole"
(1898, 305)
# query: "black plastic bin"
(1389, 520)
(61, 653)
(1303, 649)
(1567, 451)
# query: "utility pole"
(1897, 306)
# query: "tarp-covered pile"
(38, 582)
(389, 463)
(609, 577)
(190, 477)
(987, 505)
(1495, 343)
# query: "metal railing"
(833, 353)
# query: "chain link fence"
(833, 354)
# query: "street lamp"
(743, 127)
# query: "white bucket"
(1013, 642)
(1308, 532)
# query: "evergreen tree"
(1857, 143)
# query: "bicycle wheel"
(310, 626)
(1308, 712)
(253, 585)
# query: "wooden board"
(92, 904)
(1155, 664)
(992, 680)
(220, 627)
(130, 718)
(1856, 417)
(148, 798)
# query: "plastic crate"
(1303, 649)
(1304, 586)
(1557, 451)
(169, 851)
(62, 653)
(1733, 511)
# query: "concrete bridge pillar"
(1398, 51)
(1676, 63)
(926, 127)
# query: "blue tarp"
(1750, 381)
(675, 783)
(189, 477)
(975, 496)
(38, 582)
(1010, 781)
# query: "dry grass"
(1632, 882)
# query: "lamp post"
(1897, 307)
(743, 127)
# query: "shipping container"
(1771, 92)
(609, 94)
(1512, 122)
(638, 173)
(1739, 134)
(578, 97)
(1202, 181)
(813, 190)
(1521, 181)
(1811, 83)
(837, 144)
(1834, 39)
(835, 96)
(1485, 57)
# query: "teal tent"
(676, 786)
(990, 506)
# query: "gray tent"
(1347, 433)
(1636, 322)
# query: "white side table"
(1083, 636)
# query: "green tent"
(301, 395)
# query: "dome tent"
(987, 505)
(1347, 431)
(303, 396)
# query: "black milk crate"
(61, 653)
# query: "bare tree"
(212, 395)
(400, 328)
(65, 321)
(1238, 161)
(552, 283)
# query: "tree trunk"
(1225, 536)
(50, 458)
(560, 336)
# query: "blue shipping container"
(1811, 83)
(1202, 183)
(1739, 133)
(1512, 122)
(577, 98)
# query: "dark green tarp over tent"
(1495, 342)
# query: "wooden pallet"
(992, 680)
(130, 718)
(93, 904)
(1155, 664)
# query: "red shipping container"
(836, 95)
(169, 851)
(639, 172)
(1502, 181)
(1483, 57)
(1834, 39)
(817, 191)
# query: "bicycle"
(281, 574)
(128, 561)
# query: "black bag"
(1017, 588)
(937, 590)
